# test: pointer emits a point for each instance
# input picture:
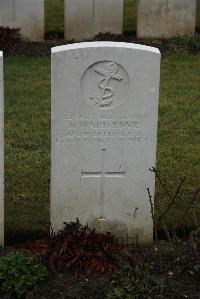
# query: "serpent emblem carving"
(108, 73)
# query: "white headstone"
(1, 153)
(85, 19)
(166, 18)
(104, 135)
(25, 14)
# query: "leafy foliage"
(136, 281)
(19, 273)
(79, 247)
(9, 37)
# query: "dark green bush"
(19, 273)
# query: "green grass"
(178, 135)
(54, 15)
(130, 15)
(27, 136)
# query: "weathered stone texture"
(85, 19)
(166, 18)
(104, 136)
(28, 15)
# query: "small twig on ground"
(151, 203)
(195, 218)
(160, 180)
(173, 199)
(166, 232)
(193, 244)
(162, 184)
(152, 214)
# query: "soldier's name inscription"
(107, 128)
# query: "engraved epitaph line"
(103, 175)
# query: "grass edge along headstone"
(104, 136)
(85, 19)
(1, 152)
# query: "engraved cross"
(103, 175)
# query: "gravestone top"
(103, 44)
(104, 135)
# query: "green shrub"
(136, 281)
(19, 273)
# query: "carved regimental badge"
(105, 85)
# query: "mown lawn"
(54, 15)
(27, 136)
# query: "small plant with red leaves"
(79, 248)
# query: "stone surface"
(85, 19)
(166, 18)
(25, 14)
(1, 153)
(104, 135)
